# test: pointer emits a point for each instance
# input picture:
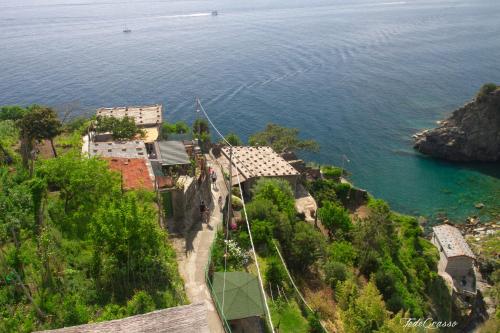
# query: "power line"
(268, 313)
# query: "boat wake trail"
(391, 3)
(184, 15)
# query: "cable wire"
(268, 313)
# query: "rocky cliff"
(471, 133)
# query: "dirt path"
(192, 263)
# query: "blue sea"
(358, 76)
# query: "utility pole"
(230, 187)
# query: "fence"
(218, 307)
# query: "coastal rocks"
(471, 133)
(479, 205)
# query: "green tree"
(179, 127)
(282, 139)
(367, 313)
(323, 190)
(314, 323)
(342, 251)
(201, 127)
(278, 192)
(306, 247)
(37, 124)
(346, 293)
(201, 131)
(13, 112)
(336, 219)
(262, 232)
(78, 197)
(234, 139)
(129, 248)
(335, 272)
(275, 272)
(121, 129)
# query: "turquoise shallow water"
(359, 76)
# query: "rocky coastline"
(471, 133)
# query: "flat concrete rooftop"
(125, 149)
(148, 115)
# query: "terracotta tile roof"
(135, 172)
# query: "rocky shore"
(471, 133)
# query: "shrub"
(234, 139)
(331, 172)
(140, 303)
(278, 192)
(275, 273)
(236, 202)
(306, 247)
(12, 112)
(343, 190)
(336, 219)
(335, 272)
(485, 90)
(262, 232)
(243, 239)
(323, 190)
(314, 323)
(343, 252)
(74, 311)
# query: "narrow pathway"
(192, 263)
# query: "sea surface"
(359, 76)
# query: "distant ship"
(214, 13)
(127, 30)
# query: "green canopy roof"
(242, 298)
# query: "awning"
(172, 153)
(242, 294)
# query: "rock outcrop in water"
(471, 133)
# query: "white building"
(456, 259)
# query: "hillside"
(74, 247)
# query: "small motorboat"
(214, 13)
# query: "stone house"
(251, 163)
(456, 259)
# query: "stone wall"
(186, 203)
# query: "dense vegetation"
(73, 247)
(369, 272)
(167, 129)
(121, 129)
(282, 139)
